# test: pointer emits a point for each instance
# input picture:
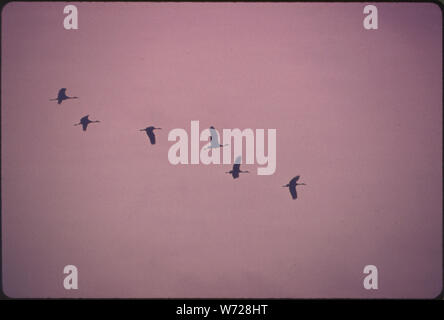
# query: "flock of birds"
(214, 143)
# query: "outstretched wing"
(236, 170)
(61, 95)
(293, 192)
(214, 137)
(84, 121)
(294, 180)
(151, 135)
(62, 92)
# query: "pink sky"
(358, 115)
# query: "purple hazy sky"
(358, 115)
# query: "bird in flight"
(62, 96)
(292, 186)
(236, 168)
(85, 121)
(150, 133)
(214, 139)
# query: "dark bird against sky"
(236, 168)
(62, 96)
(150, 133)
(85, 121)
(292, 186)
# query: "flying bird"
(85, 121)
(214, 139)
(62, 96)
(292, 186)
(150, 133)
(236, 168)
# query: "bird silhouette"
(236, 168)
(62, 96)
(150, 133)
(85, 121)
(292, 186)
(214, 139)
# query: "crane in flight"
(236, 168)
(292, 186)
(85, 122)
(62, 96)
(150, 133)
(214, 139)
